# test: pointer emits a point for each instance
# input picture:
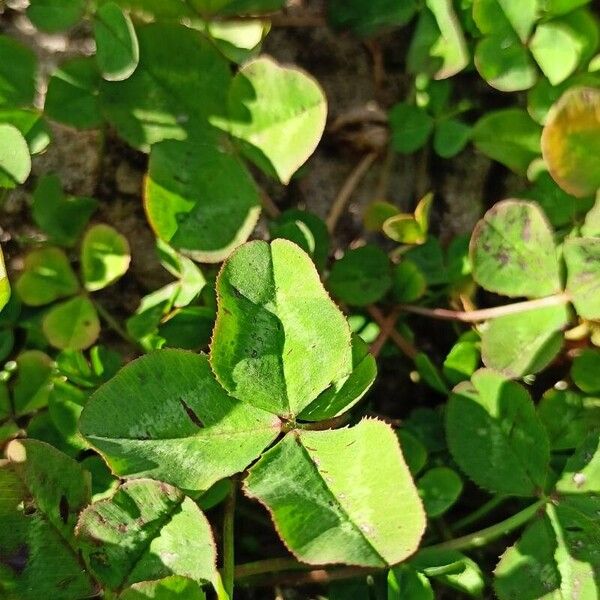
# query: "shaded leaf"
(439, 489)
(47, 276)
(582, 256)
(33, 383)
(72, 96)
(495, 435)
(362, 276)
(568, 417)
(147, 530)
(527, 569)
(62, 217)
(117, 48)
(55, 15)
(43, 490)
(180, 81)
(509, 136)
(411, 127)
(17, 73)
(199, 197)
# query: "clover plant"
(244, 373)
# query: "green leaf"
(105, 257)
(509, 136)
(504, 62)
(404, 583)
(117, 48)
(581, 475)
(585, 371)
(582, 256)
(362, 276)
(452, 569)
(571, 141)
(62, 217)
(178, 424)
(404, 229)
(331, 505)
(47, 276)
(189, 327)
(439, 489)
(367, 18)
(31, 124)
(524, 343)
(557, 50)
(430, 373)
(346, 392)
(279, 340)
(560, 7)
(199, 197)
(527, 569)
(577, 533)
(4, 283)
(512, 251)
(408, 282)
(462, 361)
(239, 40)
(18, 68)
(277, 114)
(55, 15)
(174, 587)
(43, 490)
(450, 47)
(180, 81)
(411, 127)
(15, 161)
(72, 324)
(450, 137)
(33, 383)
(305, 230)
(493, 16)
(496, 437)
(414, 451)
(560, 208)
(568, 417)
(147, 530)
(72, 96)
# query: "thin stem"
(270, 208)
(346, 191)
(480, 513)
(270, 565)
(273, 566)
(484, 314)
(489, 534)
(112, 322)
(400, 341)
(228, 541)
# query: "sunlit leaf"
(571, 141)
(277, 115)
(331, 505)
(279, 340)
(178, 424)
